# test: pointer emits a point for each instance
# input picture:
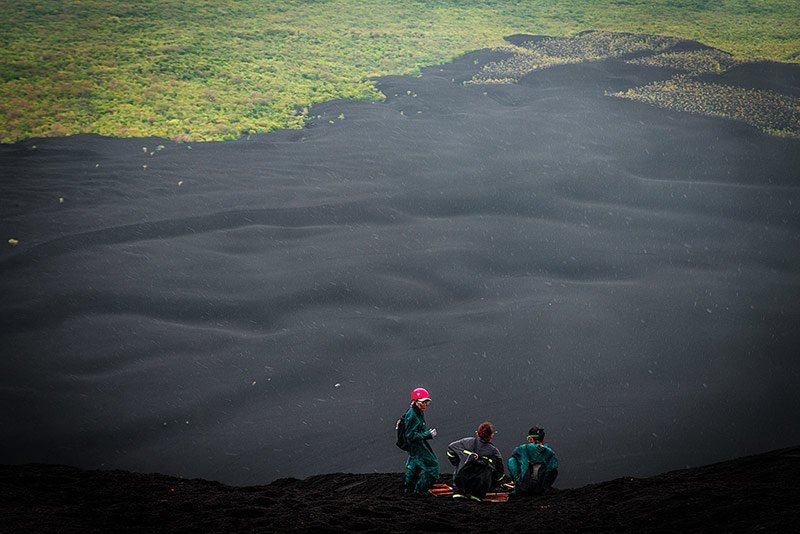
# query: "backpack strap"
(528, 453)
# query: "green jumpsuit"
(533, 453)
(422, 467)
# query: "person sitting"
(533, 466)
(479, 464)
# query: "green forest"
(201, 70)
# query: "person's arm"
(499, 469)
(515, 465)
(552, 463)
(415, 429)
(455, 451)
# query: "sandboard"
(445, 490)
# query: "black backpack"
(533, 480)
(475, 476)
(400, 426)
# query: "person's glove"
(433, 432)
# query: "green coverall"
(535, 453)
(422, 467)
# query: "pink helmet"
(420, 394)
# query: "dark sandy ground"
(624, 275)
(753, 494)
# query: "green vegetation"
(552, 51)
(771, 112)
(203, 70)
(697, 62)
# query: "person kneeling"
(533, 466)
(479, 465)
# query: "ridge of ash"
(750, 493)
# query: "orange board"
(443, 490)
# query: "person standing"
(422, 466)
(479, 464)
(533, 466)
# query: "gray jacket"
(459, 451)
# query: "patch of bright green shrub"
(772, 112)
(210, 70)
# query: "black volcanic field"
(624, 275)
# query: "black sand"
(624, 275)
(753, 494)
